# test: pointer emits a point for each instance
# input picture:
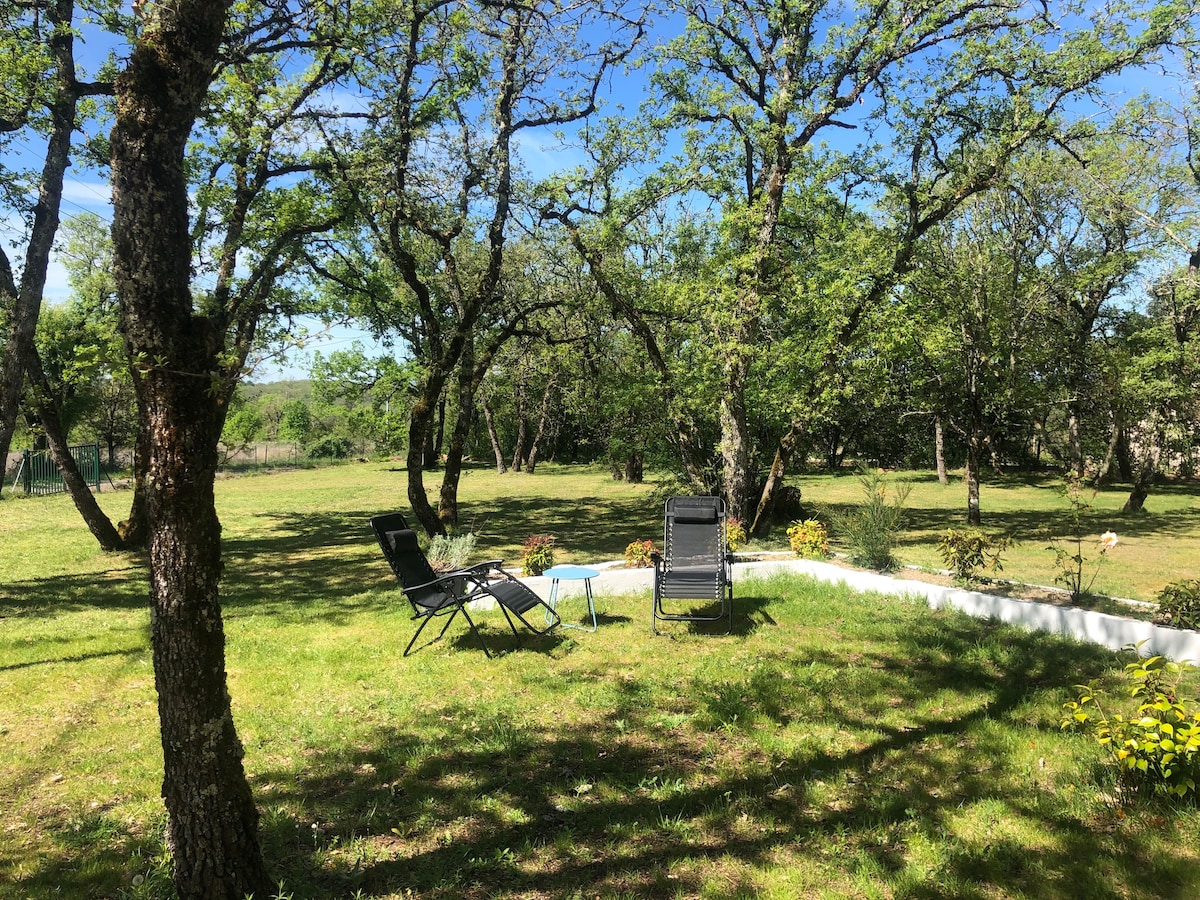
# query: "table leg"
(587, 589)
(552, 601)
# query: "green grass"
(836, 745)
(1159, 545)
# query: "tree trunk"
(135, 530)
(1114, 438)
(635, 472)
(783, 458)
(27, 298)
(448, 497)
(436, 438)
(939, 450)
(419, 426)
(1148, 472)
(1124, 457)
(501, 467)
(81, 494)
(518, 459)
(543, 417)
(212, 826)
(1074, 441)
(735, 441)
(974, 451)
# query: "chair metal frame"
(449, 593)
(694, 564)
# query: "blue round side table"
(572, 573)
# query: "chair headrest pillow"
(404, 539)
(696, 517)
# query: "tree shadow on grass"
(471, 800)
(1027, 525)
(598, 526)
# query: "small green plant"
(637, 554)
(1179, 604)
(450, 552)
(1156, 746)
(809, 539)
(735, 534)
(871, 531)
(537, 554)
(1069, 556)
(966, 551)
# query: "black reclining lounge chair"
(432, 594)
(694, 565)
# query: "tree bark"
(635, 468)
(135, 530)
(543, 417)
(81, 494)
(420, 424)
(1114, 438)
(939, 450)
(735, 440)
(784, 452)
(1147, 473)
(501, 467)
(451, 475)
(518, 459)
(212, 827)
(974, 451)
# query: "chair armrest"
(448, 576)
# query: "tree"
(1157, 387)
(255, 208)
(41, 94)
(952, 89)
(111, 411)
(467, 79)
(972, 308)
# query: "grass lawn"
(836, 745)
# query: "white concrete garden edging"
(1104, 629)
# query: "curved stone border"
(1114, 632)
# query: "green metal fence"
(39, 474)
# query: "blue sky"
(88, 192)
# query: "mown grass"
(836, 745)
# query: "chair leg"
(449, 619)
(420, 628)
(474, 630)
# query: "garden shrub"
(1156, 745)
(735, 534)
(966, 551)
(1179, 604)
(872, 530)
(809, 539)
(331, 446)
(637, 554)
(537, 554)
(447, 553)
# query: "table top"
(570, 573)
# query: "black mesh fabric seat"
(447, 594)
(692, 576)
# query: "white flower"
(1108, 540)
